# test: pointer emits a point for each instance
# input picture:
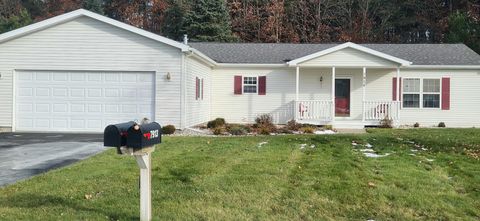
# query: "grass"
(233, 178)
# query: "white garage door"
(81, 101)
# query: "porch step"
(348, 125)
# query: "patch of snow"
(374, 155)
(367, 150)
(261, 144)
(413, 150)
(302, 146)
(430, 160)
(324, 132)
(312, 146)
(424, 149)
(412, 154)
(368, 145)
(354, 144)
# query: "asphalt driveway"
(23, 155)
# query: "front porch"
(347, 100)
(356, 98)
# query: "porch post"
(398, 95)
(364, 83)
(297, 79)
(295, 104)
(333, 94)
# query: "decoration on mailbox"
(137, 140)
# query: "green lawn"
(233, 178)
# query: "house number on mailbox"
(152, 134)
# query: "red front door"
(342, 97)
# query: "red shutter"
(445, 93)
(262, 85)
(394, 89)
(237, 86)
(196, 88)
(202, 89)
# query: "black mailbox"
(145, 135)
(115, 135)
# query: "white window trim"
(243, 85)
(421, 93)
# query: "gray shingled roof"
(271, 53)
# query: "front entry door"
(342, 97)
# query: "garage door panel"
(81, 101)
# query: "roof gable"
(347, 57)
(349, 45)
(82, 12)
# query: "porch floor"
(341, 123)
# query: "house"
(80, 71)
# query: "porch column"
(364, 83)
(297, 79)
(295, 104)
(333, 94)
(398, 95)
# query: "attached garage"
(81, 71)
(81, 101)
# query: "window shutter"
(394, 89)
(196, 88)
(237, 86)
(262, 85)
(445, 93)
(202, 89)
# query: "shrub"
(416, 125)
(218, 122)
(441, 124)
(168, 129)
(245, 127)
(264, 119)
(328, 127)
(219, 131)
(308, 129)
(264, 124)
(264, 130)
(293, 125)
(386, 123)
(237, 130)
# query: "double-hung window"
(250, 85)
(431, 93)
(421, 93)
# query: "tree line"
(298, 21)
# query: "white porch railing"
(313, 110)
(379, 110)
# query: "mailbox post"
(138, 141)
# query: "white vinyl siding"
(280, 95)
(348, 57)
(197, 110)
(85, 44)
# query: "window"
(424, 92)
(249, 85)
(431, 93)
(198, 88)
(411, 92)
